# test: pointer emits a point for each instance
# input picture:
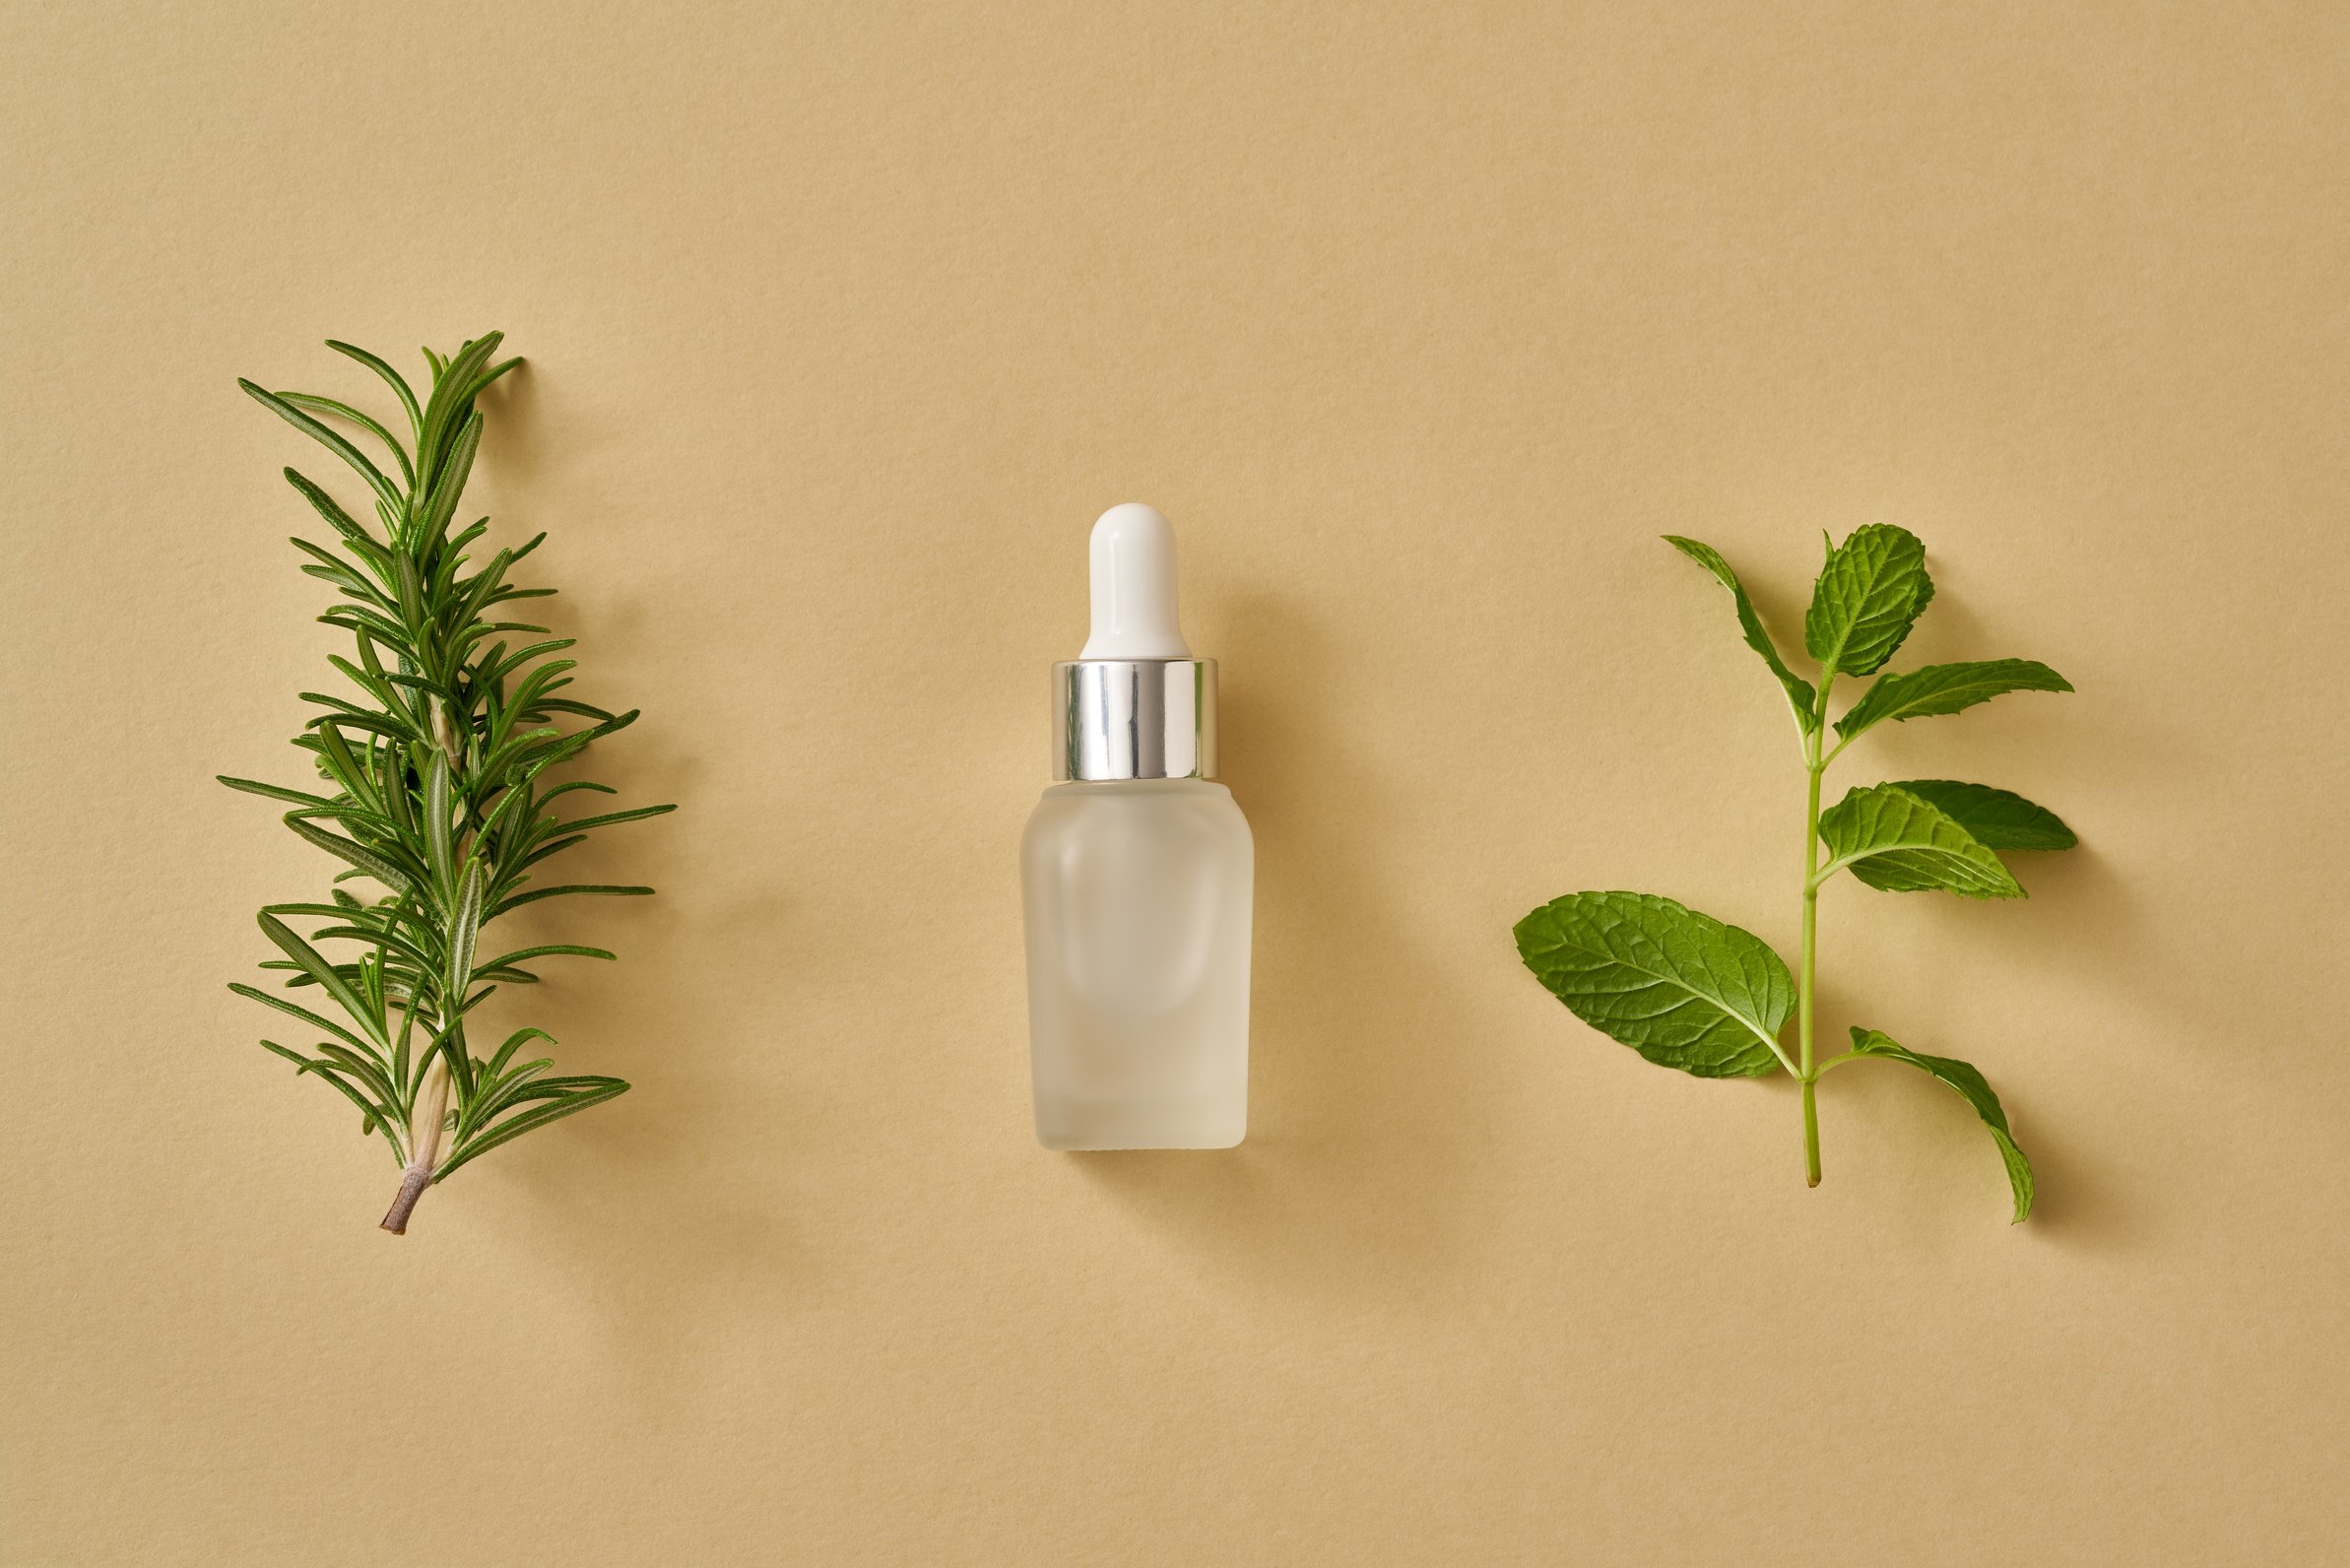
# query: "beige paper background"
(843, 324)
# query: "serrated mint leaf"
(1901, 842)
(1680, 988)
(1977, 1092)
(1945, 688)
(1799, 694)
(1999, 819)
(1867, 597)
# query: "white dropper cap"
(1133, 587)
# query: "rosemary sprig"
(435, 776)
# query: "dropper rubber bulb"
(1133, 556)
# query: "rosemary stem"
(424, 1140)
(413, 1183)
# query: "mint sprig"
(1688, 990)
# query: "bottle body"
(1136, 897)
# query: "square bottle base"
(1078, 1125)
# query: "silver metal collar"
(1134, 718)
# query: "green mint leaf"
(1999, 819)
(1867, 597)
(1901, 842)
(1946, 688)
(1978, 1093)
(1680, 988)
(1799, 694)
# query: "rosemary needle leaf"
(391, 379)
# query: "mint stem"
(1813, 765)
(1811, 1133)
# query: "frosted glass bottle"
(1138, 897)
(1136, 877)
